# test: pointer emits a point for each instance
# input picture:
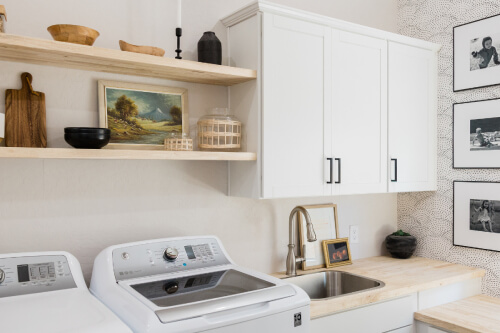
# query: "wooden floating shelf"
(118, 154)
(89, 58)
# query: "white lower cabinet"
(381, 317)
(396, 315)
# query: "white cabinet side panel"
(244, 52)
(447, 294)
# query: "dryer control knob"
(171, 287)
(2, 276)
(171, 254)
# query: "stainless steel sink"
(326, 285)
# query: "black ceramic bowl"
(401, 247)
(87, 137)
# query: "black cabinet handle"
(340, 171)
(395, 170)
(331, 170)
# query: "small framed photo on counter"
(337, 252)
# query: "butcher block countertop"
(478, 314)
(401, 277)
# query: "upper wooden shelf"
(59, 54)
(118, 154)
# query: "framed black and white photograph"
(476, 134)
(476, 215)
(475, 54)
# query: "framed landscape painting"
(141, 116)
(475, 54)
(476, 134)
(476, 215)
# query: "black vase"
(401, 247)
(210, 49)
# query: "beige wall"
(84, 206)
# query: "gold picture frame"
(153, 116)
(325, 220)
(337, 252)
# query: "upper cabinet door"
(294, 62)
(359, 113)
(412, 118)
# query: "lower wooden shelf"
(118, 154)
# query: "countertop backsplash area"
(429, 215)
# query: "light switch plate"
(354, 234)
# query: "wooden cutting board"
(25, 116)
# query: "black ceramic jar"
(210, 49)
(401, 247)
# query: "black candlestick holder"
(178, 33)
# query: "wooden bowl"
(75, 34)
(151, 50)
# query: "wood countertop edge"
(322, 308)
(476, 314)
(444, 324)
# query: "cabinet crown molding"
(260, 6)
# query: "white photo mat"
(325, 221)
(464, 192)
(463, 77)
(463, 156)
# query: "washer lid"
(198, 295)
(70, 310)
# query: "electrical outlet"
(354, 234)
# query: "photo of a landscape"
(142, 117)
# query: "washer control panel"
(31, 275)
(166, 257)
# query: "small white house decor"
(219, 131)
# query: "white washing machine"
(46, 293)
(191, 285)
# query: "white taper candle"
(179, 14)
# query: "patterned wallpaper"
(429, 215)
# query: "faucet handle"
(302, 257)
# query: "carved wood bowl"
(151, 50)
(75, 34)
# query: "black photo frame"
(466, 155)
(467, 39)
(467, 229)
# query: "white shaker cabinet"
(324, 114)
(293, 103)
(359, 113)
(412, 118)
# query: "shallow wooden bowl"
(151, 50)
(75, 34)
